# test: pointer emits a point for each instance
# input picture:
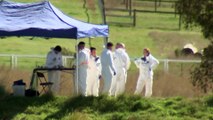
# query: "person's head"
(81, 45)
(109, 45)
(123, 46)
(118, 45)
(93, 51)
(146, 51)
(57, 49)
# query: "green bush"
(209, 101)
(202, 76)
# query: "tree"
(200, 13)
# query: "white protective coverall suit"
(54, 60)
(83, 60)
(108, 70)
(146, 66)
(94, 74)
(122, 63)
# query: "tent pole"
(76, 81)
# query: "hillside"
(135, 38)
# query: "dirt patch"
(168, 42)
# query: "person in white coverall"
(108, 68)
(94, 73)
(146, 65)
(122, 63)
(83, 60)
(54, 60)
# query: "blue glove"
(114, 73)
(99, 77)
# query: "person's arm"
(111, 62)
(98, 65)
(60, 62)
(126, 61)
(154, 62)
(137, 62)
(83, 58)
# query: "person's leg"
(51, 78)
(89, 85)
(149, 84)
(95, 87)
(56, 85)
(121, 83)
(114, 84)
(82, 82)
(140, 84)
(107, 82)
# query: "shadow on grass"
(10, 106)
(102, 104)
(3, 92)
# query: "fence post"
(181, 69)
(175, 9)
(180, 20)
(127, 4)
(64, 61)
(15, 61)
(130, 7)
(180, 17)
(12, 62)
(134, 17)
(166, 65)
(159, 3)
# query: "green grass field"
(135, 38)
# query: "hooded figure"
(94, 73)
(54, 60)
(122, 63)
(83, 60)
(146, 66)
(108, 69)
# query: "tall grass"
(165, 85)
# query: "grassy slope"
(134, 38)
(123, 107)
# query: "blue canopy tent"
(42, 19)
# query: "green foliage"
(202, 76)
(67, 52)
(209, 101)
(198, 12)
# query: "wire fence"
(29, 61)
